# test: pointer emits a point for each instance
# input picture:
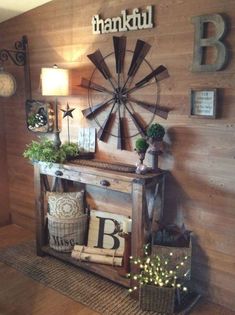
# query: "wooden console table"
(144, 190)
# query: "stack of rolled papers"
(98, 255)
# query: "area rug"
(97, 293)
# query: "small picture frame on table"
(203, 103)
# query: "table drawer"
(87, 178)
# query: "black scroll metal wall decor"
(124, 105)
(20, 57)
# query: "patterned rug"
(97, 293)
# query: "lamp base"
(57, 141)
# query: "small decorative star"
(68, 111)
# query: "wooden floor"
(19, 295)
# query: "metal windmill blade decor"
(117, 93)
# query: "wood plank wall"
(199, 153)
(4, 201)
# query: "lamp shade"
(55, 81)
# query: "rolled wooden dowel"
(107, 260)
(99, 251)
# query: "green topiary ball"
(156, 131)
(141, 145)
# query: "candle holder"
(156, 146)
(141, 146)
(127, 253)
(141, 168)
(56, 141)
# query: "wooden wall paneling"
(4, 200)
(198, 153)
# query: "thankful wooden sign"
(137, 20)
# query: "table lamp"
(55, 82)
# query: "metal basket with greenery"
(45, 151)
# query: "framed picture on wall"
(39, 116)
(203, 103)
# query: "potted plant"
(45, 151)
(158, 283)
(155, 135)
(141, 146)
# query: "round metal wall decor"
(7, 84)
(120, 96)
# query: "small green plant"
(141, 145)
(156, 131)
(36, 120)
(155, 270)
(45, 151)
(70, 149)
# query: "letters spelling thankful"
(126, 22)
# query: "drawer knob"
(105, 183)
(58, 173)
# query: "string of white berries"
(154, 270)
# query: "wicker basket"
(153, 298)
(178, 255)
(65, 233)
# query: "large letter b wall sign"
(201, 43)
(103, 232)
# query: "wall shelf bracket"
(20, 57)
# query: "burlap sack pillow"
(66, 205)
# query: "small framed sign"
(87, 139)
(203, 103)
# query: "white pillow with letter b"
(103, 232)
